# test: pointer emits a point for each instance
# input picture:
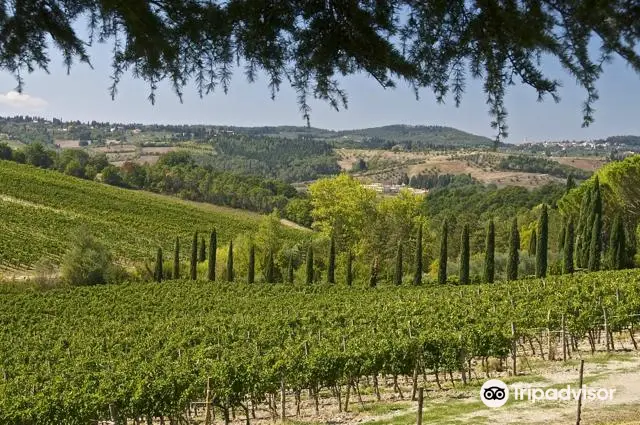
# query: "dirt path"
(454, 406)
(293, 225)
(623, 376)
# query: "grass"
(446, 412)
(379, 409)
(605, 357)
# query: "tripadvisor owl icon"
(494, 393)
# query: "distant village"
(394, 188)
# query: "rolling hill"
(39, 209)
(435, 135)
(419, 134)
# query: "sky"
(83, 95)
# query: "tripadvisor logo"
(495, 393)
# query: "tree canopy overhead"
(433, 44)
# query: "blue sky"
(83, 95)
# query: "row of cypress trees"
(198, 255)
(489, 251)
(582, 247)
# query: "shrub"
(88, 262)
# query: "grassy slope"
(39, 209)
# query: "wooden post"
(580, 392)
(420, 403)
(549, 337)
(606, 328)
(564, 342)
(514, 347)
(282, 400)
(207, 411)
(112, 413)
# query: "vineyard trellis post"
(564, 341)
(420, 404)
(549, 357)
(283, 401)
(207, 402)
(514, 348)
(580, 393)
(606, 328)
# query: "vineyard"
(41, 208)
(146, 352)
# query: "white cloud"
(21, 100)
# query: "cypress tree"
(464, 256)
(290, 269)
(543, 243)
(349, 268)
(332, 261)
(176, 259)
(194, 257)
(489, 258)
(582, 223)
(595, 249)
(417, 278)
(310, 265)
(561, 237)
(595, 214)
(398, 275)
(158, 271)
(514, 251)
(213, 250)
(617, 244)
(202, 254)
(373, 277)
(621, 259)
(442, 264)
(251, 270)
(230, 263)
(269, 269)
(567, 263)
(533, 241)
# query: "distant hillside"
(436, 135)
(41, 208)
(376, 137)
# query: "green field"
(148, 349)
(39, 209)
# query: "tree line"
(582, 248)
(176, 173)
